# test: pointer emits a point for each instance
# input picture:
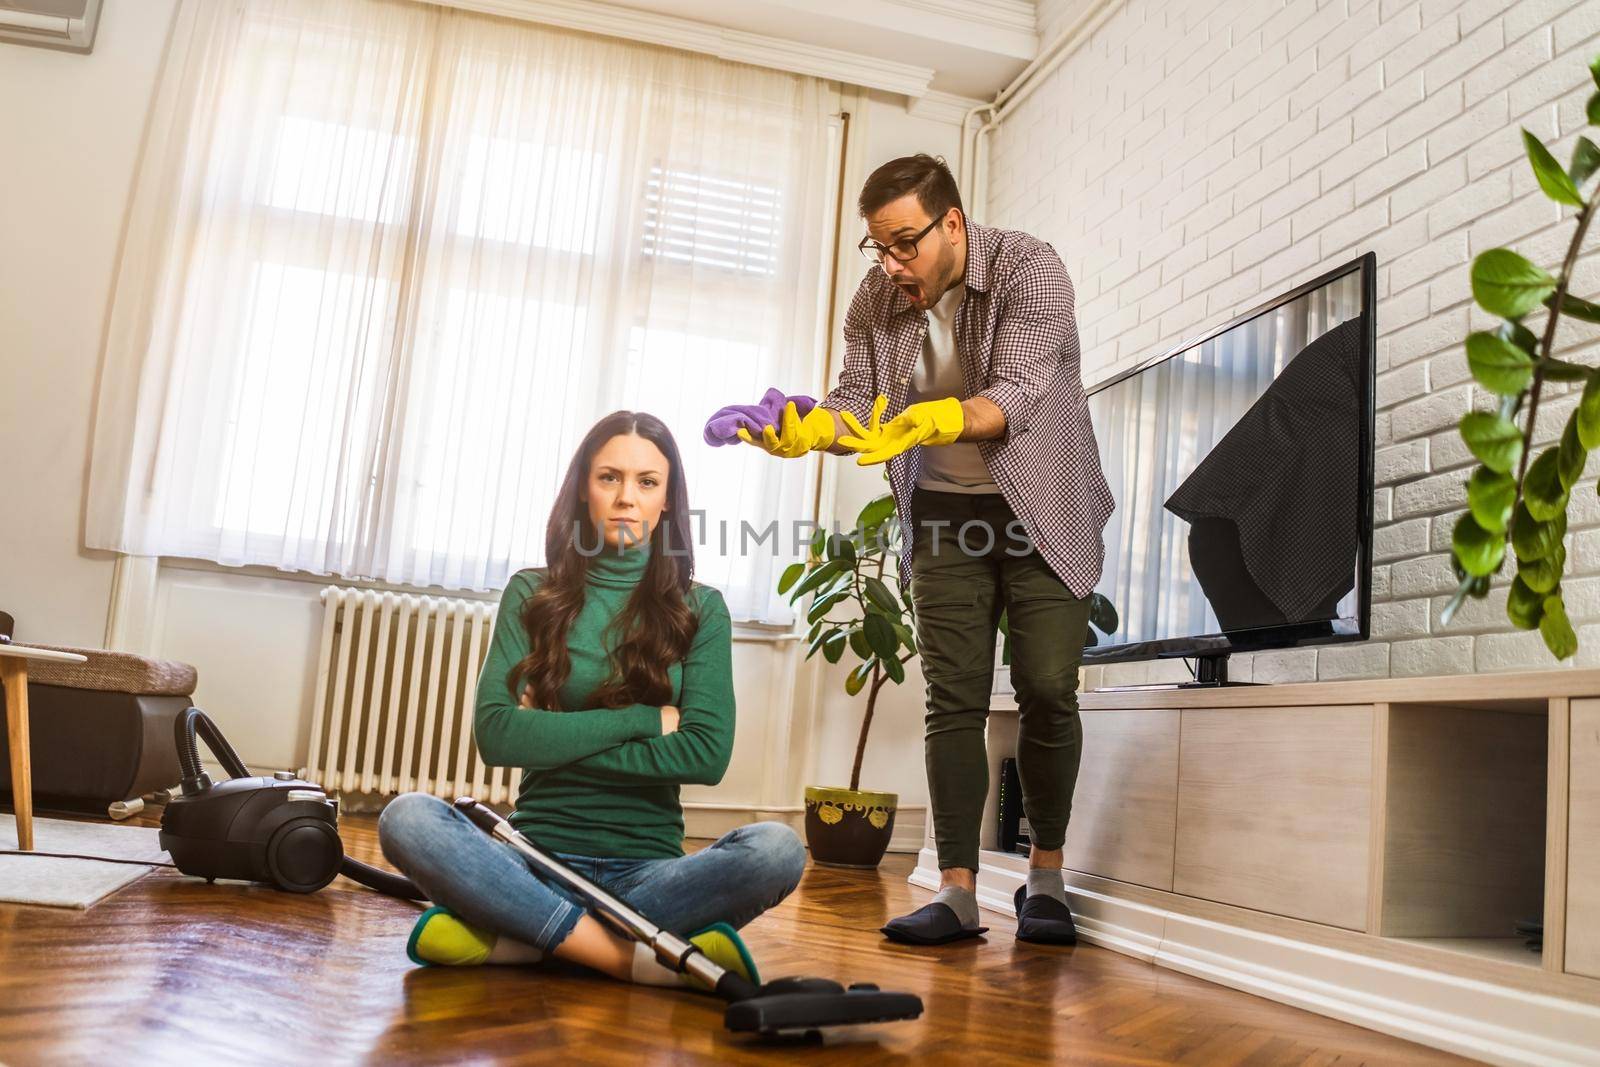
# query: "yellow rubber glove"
(932, 422)
(798, 436)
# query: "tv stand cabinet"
(1361, 849)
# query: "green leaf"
(820, 632)
(833, 648)
(1543, 575)
(1505, 284)
(822, 605)
(1494, 440)
(895, 670)
(1592, 110)
(1005, 623)
(1555, 182)
(1463, 584)
(823, 573)
(882, 638)
(1519, 335)
(1542, 490)
(858, 677)
(1523, 605)
(876, 511)
(879, 594)
(1467, 585)
(1578, 309)
(791, 574)
(1103, 613)
(1585, 161)
(1556, 629)
(907, 638)
(1559, 370)
(821, 639)
(1501, 366)
(1573, 455)
(1489, 498)
(1472, 586)
(1478, 551)
(1588, 414)
(1090, 639)
(1533, 539)
(873, 539)
(858, 643)
(841, 548)
(1594, 69)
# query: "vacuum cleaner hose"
(393, 885)
(194, 778)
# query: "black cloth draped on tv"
(1273, 536)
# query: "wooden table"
(14, 675)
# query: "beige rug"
(73, 883)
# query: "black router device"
(1015, 834)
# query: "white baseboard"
(1465, 1016)
(714, 820)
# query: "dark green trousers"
(970, 559)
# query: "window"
(695, 218)
(388, 263)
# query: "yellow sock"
(441, 937)
(723, 946)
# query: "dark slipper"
(1044, 920)
(931, 924)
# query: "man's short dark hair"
(925, 175)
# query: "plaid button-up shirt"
(1017, 340)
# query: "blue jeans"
(491, 886)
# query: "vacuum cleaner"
(280, 830)
(784, 1007)
(283, 831)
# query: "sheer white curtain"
(387, 262)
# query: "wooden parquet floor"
(173, 971)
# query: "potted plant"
(854, 610)
(1517, 501)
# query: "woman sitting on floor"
(610, 683)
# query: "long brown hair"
(656, 626)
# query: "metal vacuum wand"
(673, 951)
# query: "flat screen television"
(1241, 465)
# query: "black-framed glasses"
(905, 249)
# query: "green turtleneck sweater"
(604, 781)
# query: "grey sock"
(961, 901)
(1046, 882)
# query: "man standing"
(964, 337)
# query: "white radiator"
(396, 682)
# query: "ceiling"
(975, 47)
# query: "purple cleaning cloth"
(723, 427)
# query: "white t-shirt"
(958, 467)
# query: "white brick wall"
(1194, 158)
